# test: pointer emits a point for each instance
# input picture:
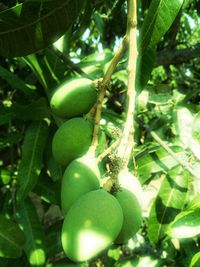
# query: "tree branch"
(177, 57)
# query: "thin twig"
(183, 163)
(127, 139)
(71, 65)
(102, 92)
(107, 151)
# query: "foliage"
(44, 43)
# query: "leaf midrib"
(36, 21)
(31, 161)
(9, 240)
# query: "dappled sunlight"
(185, 231)
(85, 244)
(130, 182)
(37, 257)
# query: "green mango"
(129, 181)
(132, 215)
(81, 176)
(72, 140)
(91, 225)
(74, 98)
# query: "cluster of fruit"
(94, 218)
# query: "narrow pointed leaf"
(14, 81)
(145, 64)
(32, 154)
(157, 161)
(12, 239)
(186, 224)
(34, 25)
(34, 246)
(168, 203)
(195, 262)
(158, 20)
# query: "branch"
(127, 140)
(71, 65)
(102, 92)
(183, 163)
(177, 57)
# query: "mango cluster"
(93, 218)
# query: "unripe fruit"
(73, 98)
(72, 140)
(81, 176)
(127, 180)
(132, 215)
(91, 225)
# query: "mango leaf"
(158, 20)
(196, 127)
(34, 25)
(195, 262)
(151, 162)
(168, 203)
(54, 233)
(32, 153)
(42, 72)
(6, 115)
(186, 224)
(36, 110)
(48, 190)
(12, 239)
(185, 122)
(14, 81)
(145, 65)
(34, 246)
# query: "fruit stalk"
(102, 92)
(127, 140)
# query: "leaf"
(195, 262)
(159, 160)
(14, 81)
(36, 110)
(168, 203)
(54, 233)
(12, 239)
(34, 25)
(48, 190)
(41, 71)
(34, 246)
(6, 115)
(145, 65)
(185, 121)
(158, 20)
(32, 153)
(186, 224)
(196, 127)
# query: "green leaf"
(54, 233)
(32, 155)
(196, 127)
(14, 81)
(34, 246)
(6, 115)
(12, 239)
(168, 203)
(36, 110)
(158, 20)
(195, 262)
(185, 121)
(145, 65)
(34, 25)
(42, 72)
(186, 224)
(151, 162)
(48, 190)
